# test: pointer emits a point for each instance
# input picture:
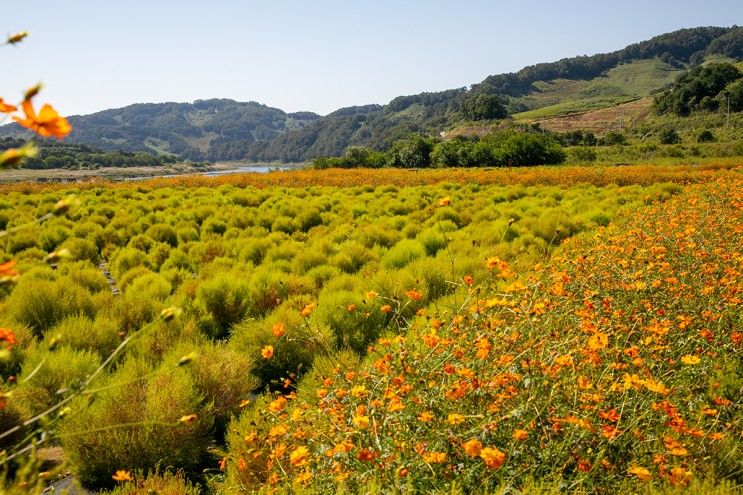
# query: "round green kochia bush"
(403, 253)
(163, 233)
(351, 257)
(320, 275)
(432, 240)
(300, 343)
(40, 303)
(354, 320)
(81, 333)
(54, 371)
(226, 300)
(126, 259)
(81, 249)
(223, 377)
(134, 424)
(83, 274)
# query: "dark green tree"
(412, 153)
(480, 106)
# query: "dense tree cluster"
(53, 154)
(499, 149)
(702, 88)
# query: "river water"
(254, 169)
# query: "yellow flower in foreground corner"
(122, 475)
(47, 123)
(13, 157)
(16, 37)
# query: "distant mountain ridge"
(220, 129)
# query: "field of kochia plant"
(565, 329)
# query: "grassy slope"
(621, 84)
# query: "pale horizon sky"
(317, 56)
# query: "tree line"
(498, 149)
(53, 154)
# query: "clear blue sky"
(314, 55)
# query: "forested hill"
(228, 130)
(214, 127)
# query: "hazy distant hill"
(229, 130)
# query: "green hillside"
(229, 130)
(189, 130)
(624, 83)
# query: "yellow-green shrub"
(133, 424)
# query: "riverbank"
(140, 173)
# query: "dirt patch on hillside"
(613, 119)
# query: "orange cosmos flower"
(679, 476)
(468, 279)
(365, 455)
(520, 435)
(483, 346)
(5, 108)
(277, 431)
(278, 329)
(425, 417)
(46, 123)
(455, 419)
(359, 391)
(277, 405)
(7, 336)
(386, 308)
(122, 475)
(435, 457)
(493, 458)
(414, 295)
(267, 352)
(445, 201)
(308, 309)
(7, 272)
(472, 448)
(598, 341)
